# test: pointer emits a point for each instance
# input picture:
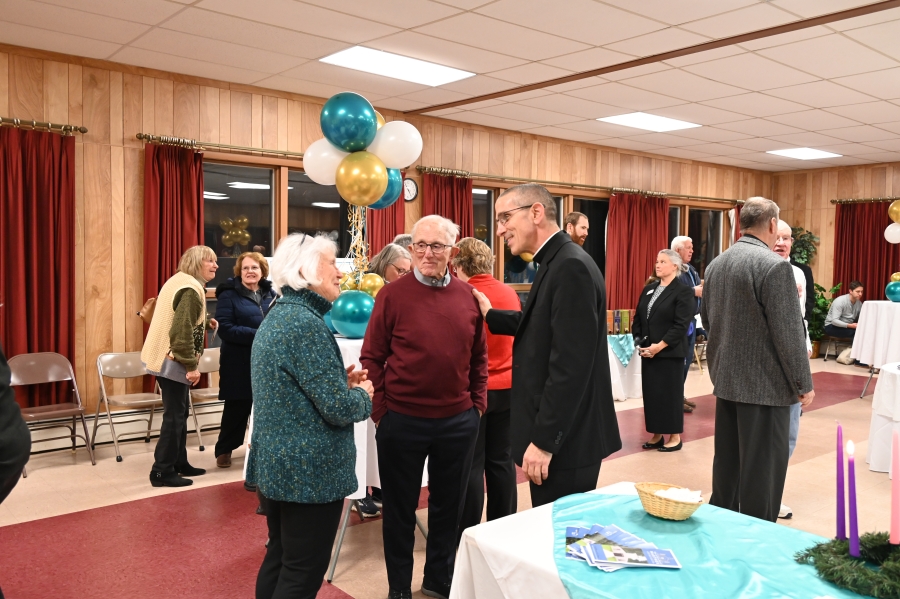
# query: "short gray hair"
(404, 240)
(296, 261)
(533, 193)
(757, 212)
(387, 256)
(675, 257)
(447, 226)
(679, 242)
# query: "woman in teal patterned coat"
(303, 455)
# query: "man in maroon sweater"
(426, 354)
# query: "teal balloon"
(350, 313)
(328, 322)
(348, 121)
(892, 291)
(392, 193)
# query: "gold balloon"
(243, 238)
(227, 240)
(226, 224)
(894, 211)
(361, 178)
(895, 277)
(380, 119)
(481, 231)
(348, 282)
(241, 222)
(371, 284)
(526, 256)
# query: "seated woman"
(303, 454)
(661, 322)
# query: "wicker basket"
(661, 507)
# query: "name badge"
(650, 292)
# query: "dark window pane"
(483, 207)
(705, 230)
(314, 209)
(674, 223)
(596, 212)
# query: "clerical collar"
(543, 245)
(431, 281)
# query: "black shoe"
(188, 470)
(367, 508)
(688, 402)
(673, 448)
(249, 487)
(158, 479)
(688, 408)
(657, 445)
(436, 589)
(376, 497)
(398, 594)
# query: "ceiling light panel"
(804, 153)
(395, 66)
(648, 122)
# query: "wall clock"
(410, 190)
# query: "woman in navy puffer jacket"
(243, 302)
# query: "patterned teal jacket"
(302, 448)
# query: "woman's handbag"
(146, 311)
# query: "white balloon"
(321, 160)
(892, 233)
(398, 144)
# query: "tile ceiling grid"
(834, 87)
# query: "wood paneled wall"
(805, 201)
(117, 101)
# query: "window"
(596, 212)
(315, 209)
(674, 223)
(483, 207)
(516, 270)
(705, 230)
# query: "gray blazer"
(757, 342)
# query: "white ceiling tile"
(487, 120)
(644, 69)
(765, 158)
(200, 48)
(529, 114)
(665, 140)
(786, 38)
(187, 66)
(535, 93)
(700, 114)
(683, 61)
(490, 34)
(630, 144)
(446, 112)
(434, 95)
(750, 71)
(399, 13)
(891, 145)
(578, 84)
(814, 120)
(309, 88)
(573, 19)
(686, 153)
(751, 18)
(54, 41)
(844, 161)
(881, 84)
(466, 4)
(533, 72)
(848, 149)
(682, 11)
(67, 20)
(829, 57)
(806, 139)
(574, 106)
(150, 12)
(629, 98)
(482, 104)
(683, 85)
(451, 54)
(477, 85)
(732, 161)
(302, 17)
(869, 112)
(820, 94)
(883, 37)
(600, 129)
(710, 134)
(352, 80)
(757, 144)
(226, 28)
(882, 156)
(812, 8)
(718, 149)
(587, 60)
(664, 40)
(756, 105)
(400, 104)
(861, 133)
(562, 133)
(871, 19)
(778, 167)
(892, 127)
(759, 127)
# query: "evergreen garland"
(876, 573)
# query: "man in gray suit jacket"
(757, 362)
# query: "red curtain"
(450, 197)
(385, 224)
(37, 251)
(637, 229)
(861, 252)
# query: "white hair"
(450, 229)
(784, 225)
(679, 242)
(675, 257)
(296, 261)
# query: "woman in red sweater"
(493, 460)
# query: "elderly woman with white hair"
(664, 313)
(305, 403)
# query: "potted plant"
(817, 318)
(804, 248)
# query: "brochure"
(609, 548)
(632, 556)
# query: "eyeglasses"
(403, 271)
(504, 217)
(780, 238)
(436, 248)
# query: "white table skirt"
(877, 339)
(626, 380)
(512, 557)
(885, 417)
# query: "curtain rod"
(449, 172)
(193, 144)
(38, 125)
(865, 200)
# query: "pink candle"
(841, 514)
(851, 493)
(895, 489)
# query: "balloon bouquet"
(362, 155)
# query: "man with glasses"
(562, 419)
(426, 354)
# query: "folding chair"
(205, 398)
(50, 367)
(835, 343)
(700, 354)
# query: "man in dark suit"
(562, 405)
(757, 362)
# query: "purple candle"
(851, 492)
(841, 514)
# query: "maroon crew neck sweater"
(425, 350)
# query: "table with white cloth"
(877, 338)
(885, 417)
(626, 380)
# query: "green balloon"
(350, 313)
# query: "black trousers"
(492, 464)
(233, 427)
(751, 458)
(692, 342)
(300, 539)
(170, 450)
(562, 482)
(403, 444)
(840, 332)
(15, 446)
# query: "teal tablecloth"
(622, 346)
(724, 555)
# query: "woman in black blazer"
(661, 322)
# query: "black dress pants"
(170, 450)
(403, 444)
(562, 482)
(751, 458)
(233, 428)
(300, 539)
(491, 464)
